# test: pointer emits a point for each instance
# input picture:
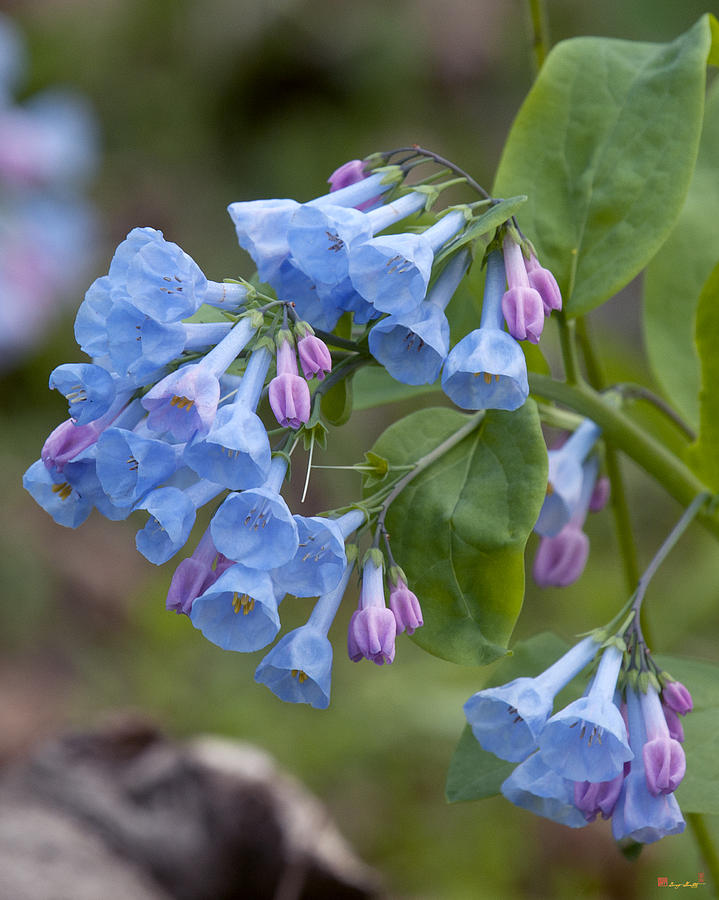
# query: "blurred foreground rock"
(125, 813)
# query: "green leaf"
(488, 222)
(699, 790)
(703, 456)
(475, 773)
(604, 145)
(460, 527)
(675, 276)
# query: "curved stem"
(429, 154)
(427, 460)
(679, 481)
(708, 851)
(569, 349)
(620, 506)
(641, 393)
(539, 32)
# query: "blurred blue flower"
(565, 479)
(534, 786)
(587, 740)
(508, 720)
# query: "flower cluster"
(166, 418)
(614, 753)
(47, 154)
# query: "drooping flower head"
(507, 720)
(320, 560)
(255, 527)
(298, 669)
(172, 515)
(392, 272)
(487, 369)
(236, 450)
(405, 606)
(534, 786)
(130, 463)
(413, 347)
(587, 740)
(238, 611)
(322, 238)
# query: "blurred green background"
(203, 102)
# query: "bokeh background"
(203, 102)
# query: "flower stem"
(569, 349)
(620, 506)
(416, 150)
(426, 461)
(539, 32)
(679, 481)
(708, 851)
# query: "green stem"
(708, 851)
(427, 460)
(569, 349)
(620, 506)
(653, 457)
(540, 33)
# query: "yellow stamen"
(182, 402)
(487, 378)
(64, 490)
(299, 675)
(242, 602)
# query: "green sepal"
(316, 431)
(379, 466)
(376, 556)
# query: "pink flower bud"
(405, 608)
(561, 559)
(677, 697)
(290, 400)
(545, 284)
(600, 494)
(348, 173)
(665, 765)
(288, 393)
(371, 635)
(674, 724)
(66, 441)
(315, 358)
(524, 313)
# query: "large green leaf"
(703, 456)
(460, 527)
(604, 146)
(677, 273)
